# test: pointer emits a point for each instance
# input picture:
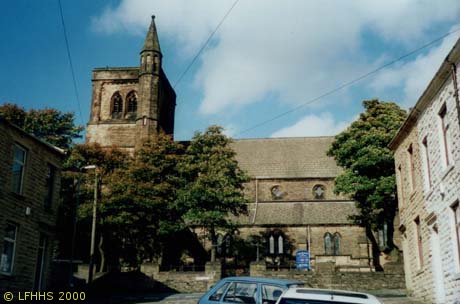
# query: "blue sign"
(302, 260)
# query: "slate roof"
(300, 213)
(295, 157)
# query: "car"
(249, 290)
(325, 296)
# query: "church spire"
(151, 41)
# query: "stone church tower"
(131, 104)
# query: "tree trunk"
(213, 245)
(375, 249)
(101, 252)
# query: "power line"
(348, 83)
(205, 44)
(70, 62)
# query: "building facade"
(132, 104)
(292, 204)
(29, 197)
(427, 160)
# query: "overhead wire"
(74, 80)
(348, 83)
(205, 44)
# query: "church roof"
(151, 41)
(295, 157)
(300, 213)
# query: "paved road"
(193, 298)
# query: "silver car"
(325, 296)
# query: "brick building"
(29, 196)
(291, 190)
(427, 160)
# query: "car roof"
(262, 280)
(329, 294)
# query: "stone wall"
(325, 275)
(26, 210)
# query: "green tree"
(77, 184)
(369, 175)
(213, 190)
(141, 211)
(51, 125)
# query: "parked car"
(325, 296)
(250, 290)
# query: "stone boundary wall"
(326, 275)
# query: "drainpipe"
(256, 200)
(455, 81)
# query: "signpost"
(302, 260)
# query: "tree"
(78, 185)
(213, 189)
(51, 125)
(141, 211)
(369, 176)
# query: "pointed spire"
(151, 41)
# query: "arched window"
(275, 242)
(117, 105)
(131, 101)
(328, 244)
(336, 243)
(332, 243)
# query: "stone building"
(130, 104)
(427, 160)
(291, 191)
(293, 203)
(29, 196)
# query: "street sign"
(302, 260)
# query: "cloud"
(294, 50)
(313, 125)
(414, 76)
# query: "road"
(193, 298)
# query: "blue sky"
(268, 57)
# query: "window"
(418, 238)
(318, 191)
(401, 186)
(332, 244)
(456, 213)
(239, 292)
(410, 153)
(271, 293)
(19, 162)
(49, 184)
(9, 247)
(382, 237)
(427, 162)
(117, 105)
(276, 243)
(131, 100)
(217, 295)
(444, 135)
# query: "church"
(292, 203)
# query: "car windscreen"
(304, 301)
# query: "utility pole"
(93, 226)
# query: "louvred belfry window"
(132, 102)
(117, 105)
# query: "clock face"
(276, 191)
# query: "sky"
(267, 58)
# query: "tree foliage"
(51, 125)
(141, 210)
(213, 189)
(369, 177)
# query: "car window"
(239, 292)
(302, 301)
(271, 293)
(218, 293)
